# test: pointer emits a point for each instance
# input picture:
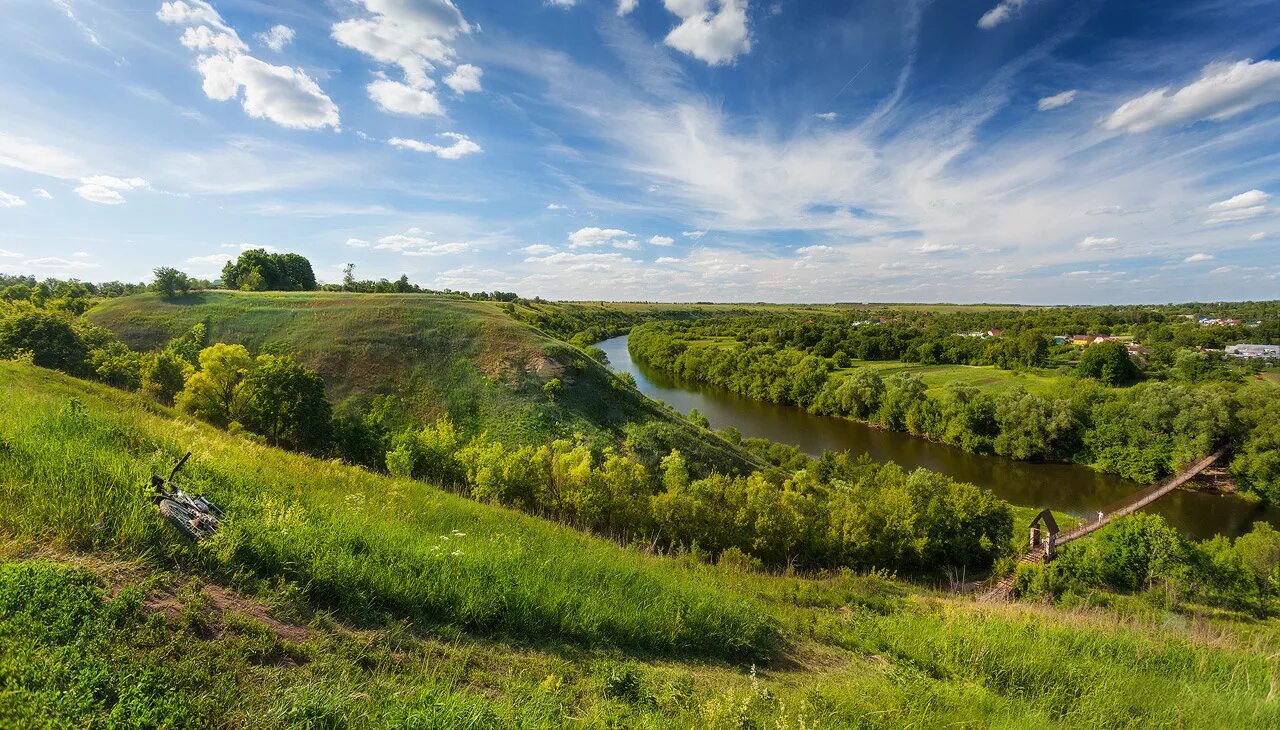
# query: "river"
(1069, 488)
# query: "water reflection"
(1069, 488)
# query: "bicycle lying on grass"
(193, 515)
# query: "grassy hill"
(334, 597)
(438, 355)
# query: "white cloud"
(695, 235)
(538, 249)
(7, 254)
(1257, 236)
(1001, 13)
(400, 98)
(1098, 243)
(115, 183)
(1223, 270)
(592, 236)
(106, 189)
(1196, 258)
(1244, 206)
(414, 243)
(626, 6)
(42, 159)
(1056, 101)
(827, 116)
(414, 35)
(277, 38)
(201, 38)
(556, 206)
(100, 194)
(1109, 210)
(931, 248)
(42, 193)
(668, 260)
(464, 78)
(562, 3)
(461, 147)
(197, 12)
(282, 94)
(357, 243)
(1222, 91)
(717, 37)
(661, 241)
(8, 200)
(57, 262)
(583, 262)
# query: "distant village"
(1241, 350)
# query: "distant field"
(986, 377)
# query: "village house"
(1086, 340)
(1254, 351)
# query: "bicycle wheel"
(180, 516)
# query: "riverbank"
(1069, 488)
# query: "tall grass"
(74, 457)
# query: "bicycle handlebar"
(178, 466)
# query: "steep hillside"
(333, 597)
(438, 355)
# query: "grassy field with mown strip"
(986, 377)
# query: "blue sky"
(1034, 151)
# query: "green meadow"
(334, 597)
(985, 377)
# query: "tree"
(117, 365)
(258, 270)
(1032, 427)
(904, 391)
(553, 388)
(170, 282)
(1108, 362)
(1138, 550)
(50, 338)
(213, 393)
(285, 402)
(164, 374)
(348, 277)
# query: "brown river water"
(1069, 488)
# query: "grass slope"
(332, 599)
(984, 377)
(439, 355)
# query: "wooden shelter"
(1048, 536)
